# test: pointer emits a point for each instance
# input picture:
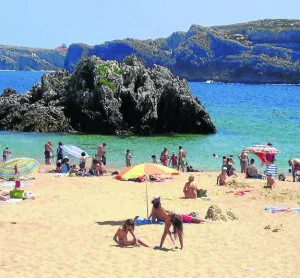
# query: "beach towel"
(12, 201)
(282, 209)
(144, 221)
(12, 184)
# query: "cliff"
(265, 51)
(106, 97)
(25, 58)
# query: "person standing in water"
(182, 162)
(48, 151)
(164, 157)
(128, 158)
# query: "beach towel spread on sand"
(282, 209)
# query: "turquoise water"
(244, 115)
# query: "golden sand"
(67, 230)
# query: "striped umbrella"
(145, 169)
(25, 165)
(261, 149)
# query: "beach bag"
(201, 193)
(281, 177)
(16, 194)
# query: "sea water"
(243, 114)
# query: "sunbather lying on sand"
(160, 214)
(121, 235)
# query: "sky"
(47, 24)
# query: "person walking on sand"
(6, 154)
(120, 236)
(244, 161)
(182, 162)
(101, 151)
(164, 157)
(128, 158)
(48, 151)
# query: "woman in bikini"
(121, 235)
(174, 220)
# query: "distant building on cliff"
(62, 48)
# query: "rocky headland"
(27, 58)
(264, 51)
(106, 97)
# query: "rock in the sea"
(107, 97)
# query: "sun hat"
(155, 197)
(66, 156)
(224, 168)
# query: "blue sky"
(47, 24)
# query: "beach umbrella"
(261, 149)
(145, 169)
(26, 166)
(73, 150)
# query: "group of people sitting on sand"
(158, 214)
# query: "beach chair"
(272, 169)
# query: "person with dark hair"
(158, 213)
(59, 152)
(174, 220)
(182, 162)
(295, 164)
(120, 236)
(6, 153)
(82, 161)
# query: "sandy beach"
(67, 230)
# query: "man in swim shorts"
(295, 164)
(182, 162)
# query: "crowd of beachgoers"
(178, 162)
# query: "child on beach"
(121, 235)
(82, 161)
(221, 180)
(174, 160)
(154, 160)
(270, 181)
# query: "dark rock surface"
(264, 51)
(108, 98)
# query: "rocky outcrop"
(108, 98)
(265, 51)
(26, 58)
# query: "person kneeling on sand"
(270, 181)
(190, 189)
(221, 180)
(158, 213)
(121, 235)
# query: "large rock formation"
(265, 51)
(108, 98)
